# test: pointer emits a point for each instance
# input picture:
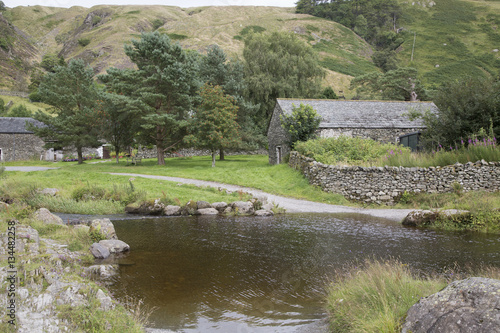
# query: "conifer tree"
(214, 125)
(166, 82)
(75, 119)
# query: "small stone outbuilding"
(384, 121)
(18, 143)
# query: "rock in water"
(99, 251)
(115, 246)
(105, 227)
(471, 305)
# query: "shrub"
(20, 111)
(346, 150)
(84, 41)
(157, 23)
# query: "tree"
(302, 124)
(166, 84)
(216, 69)
(399, 84)
(465, 107)
(279, 65)
(50, 61)
(214, 125)
(20, 111)
(75, 120)
(121, 114)
(2, 6)
(328, 93)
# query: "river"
(247, 274)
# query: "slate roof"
(361, 114)
(17, 125)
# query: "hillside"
(99, 33)
(452, 38)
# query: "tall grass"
(376, 296)
(472, 151)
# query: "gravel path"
(27, 168)
(291, 205)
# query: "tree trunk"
(160, 151)
(80, 154)
(214, 153)
(161, 154)
(221, 155)
(117, 150)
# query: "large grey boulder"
(105, 227)
(172, 210)
(471, 305)
(207, 211)
(49, 191)
(243, 207)
(263, 212)
(203, 205)
(44, 215)
(220, 206)
(420, 218)
(99, 251)
(115, 246)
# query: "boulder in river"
(471, 305)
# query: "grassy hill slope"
(452, 38)
(99, 33)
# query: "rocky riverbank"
(50, 287)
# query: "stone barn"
(384, 121)
(18, 143)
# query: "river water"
(247, 274)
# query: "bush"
(346, 150)
(84, 41)
(20, 111)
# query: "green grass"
(250, 171)
(33, 107)
(375, 296)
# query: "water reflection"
(245, 274)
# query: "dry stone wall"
(387, 184)
(190, 152)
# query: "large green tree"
(279, 65)
(214, 125)
(166, 82)
(121, 112)
(302, 124)
(75, 119)
(399, 84)
(465, 107)
(218, 70)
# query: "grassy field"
(250, 171)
